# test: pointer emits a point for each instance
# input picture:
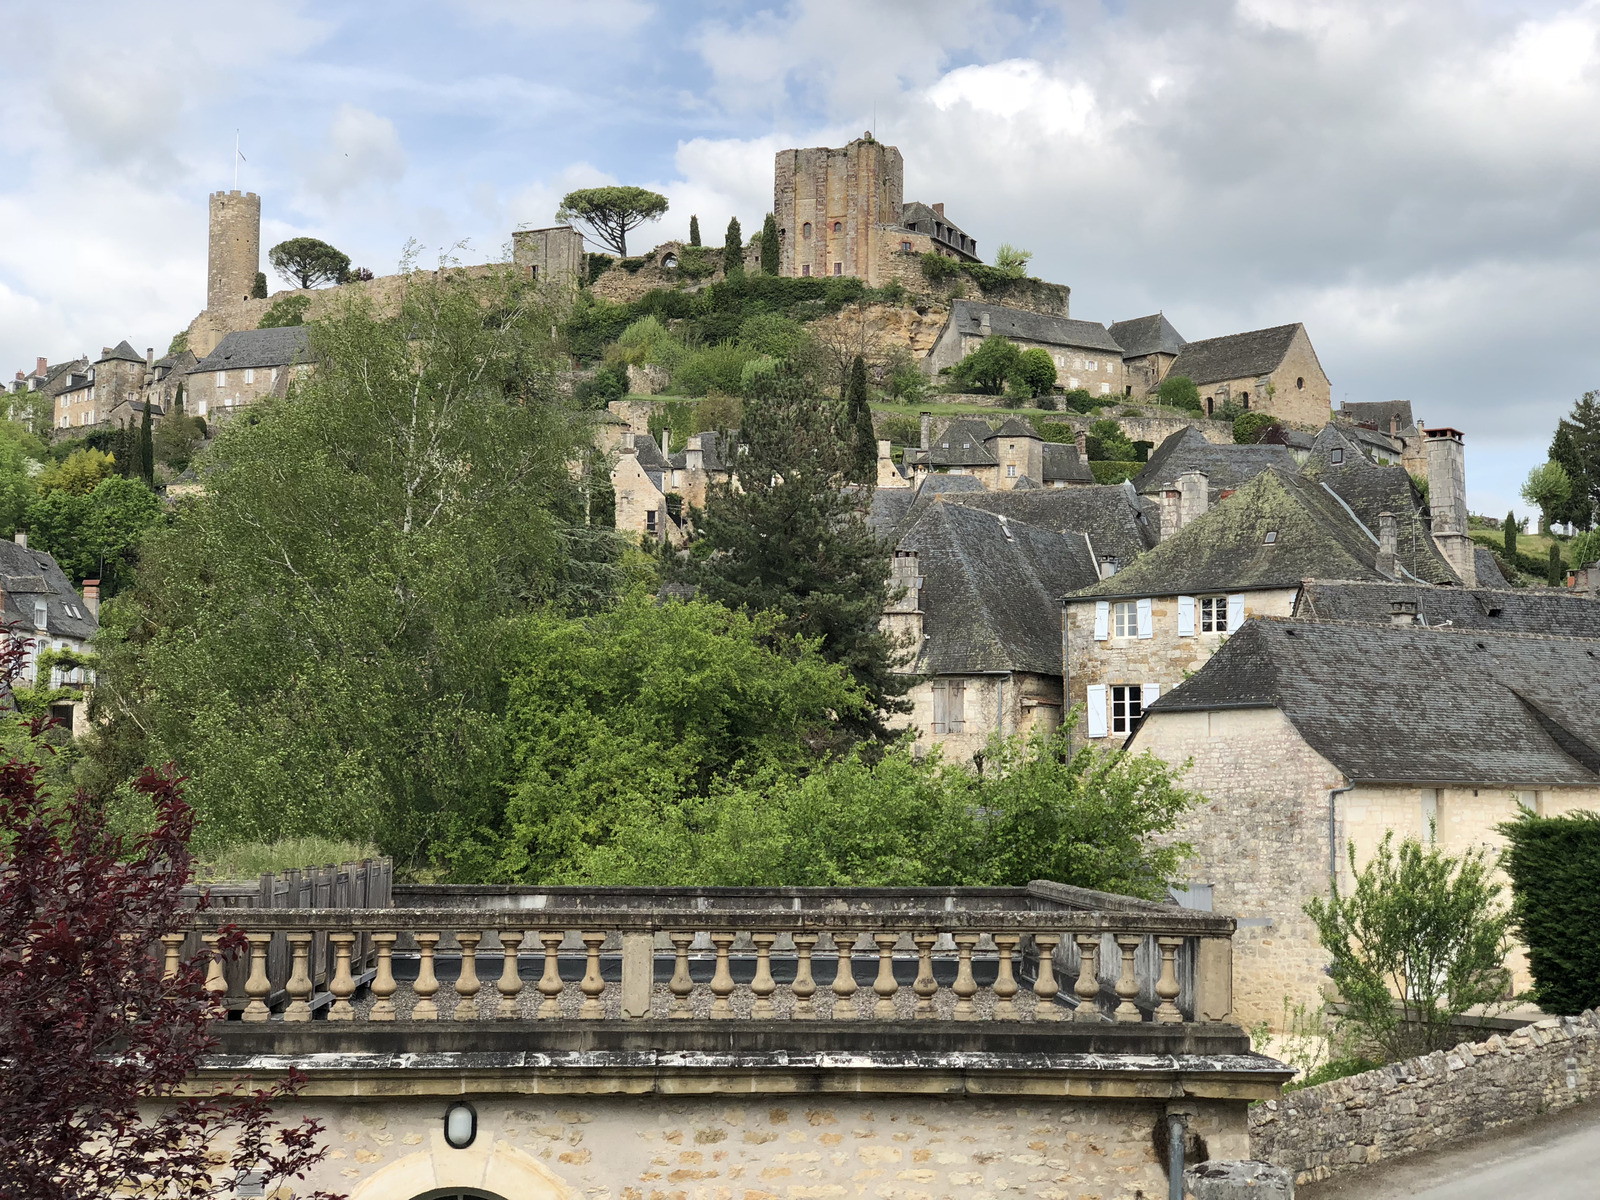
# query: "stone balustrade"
(785, 960)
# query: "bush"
(989, 366)
(719, 412)
(937, 269)
(902, 431)
(756, 373)
(716, 368)
(1179, 391)
(647, 340)
(597, 265)
(1079, 400)
(1554, 865)
(1114, 472)
(1054, 431)
(291, 310)
(609, 383)
(1034, 373)
(1248, 428)
(1113, 445)
(773, 336)
(1581, 550)
(1047, 402)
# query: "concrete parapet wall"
(1424, 1102)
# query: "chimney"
(1081, 440)
(939, 208)
(666, 440)
(694, 458)
(1387, 539)
(41, 367)
(927, 432)
(1195, 493)
(91, 597)
(1171, 512)
(1108, 565)
(105, 351)
(1402, 612)
(983, 324)
(885, 450)
(1447, 501)
(905, 605)
(627, 442)
(1394, 424)
(21, 538)
(149, 358)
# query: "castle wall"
(234, 248)
(554, 254)
(838, 209)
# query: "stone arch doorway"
(486, 1170)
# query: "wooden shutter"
(957, 709)
(1235, 612)
(1096, 710)
(1185, 616)
(1102, 620)
(941, 707)
(1146, 623)
(1149, 693)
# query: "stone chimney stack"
(983, 324)
(903, 614)
(1387, 542)
(628, 446)
(21, 538)
(91, 597)
(1447, 501)
(1402, 612)
(927, 432)
(41, 367)
(1195, 492)
(1171, 512)
(1081, 440)
(694, 458)
(939, 208)
(666, 441)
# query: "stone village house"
(1149, 346)
(245, 367)
(1011, 456)
(117, 377)
(38, 600)
(1267, 370)
(1085, 354)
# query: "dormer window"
(1337, 456)
(1272, 537)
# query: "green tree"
(80, 472)
(610, 212)
(1179, 391)
(307, 262)
(989, 366)
(284, 313)
(95, 534)
(1034, 373)
(1554, 865)
(1248, 427)
(769, 245)
(1576, 447)
(1107, 443)
(147, 450)
(1555, 573)
(315, 639)
(1510, 534)
(793, 541)
(694, 230)
(1419, 941)
(1548, 486)
(733, 249)
(858, 425)
(258, 290)
(1584, 548)
(1011, 260)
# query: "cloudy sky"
(1418, 181)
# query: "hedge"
(1114, 472)
(1554, 865)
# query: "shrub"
(904, 378)
(609, 383)
(697, 262)
(719, 412)
(756, 373)
(1079, 400)
(1047, 401)
(989, 366)
(773, 336)
(1248, 428)
(1113, 472)
(1555, 573)
(902, 431)
(937, 269)
(1114, 445)
(1179, 391)
(1554, 865)
(647, 340)
(1581, 550)
(291, 310)
(597, 265)
(716, 368)
(632, 265)
(1054, 431)
(1034, 372)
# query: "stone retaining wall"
(1424, 1102)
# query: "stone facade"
(1439, 1099)
(757, 1147)
(555, 254)
(961, 713)
(234, 249)
(1296, 390)
(835, 207)
(641, 502)
(87, 400)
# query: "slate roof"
(1522, 610)
(258, 348)
(1377, 413)
(713, 451)
(1487, 569)
(1236, 356)
(1018, 324)
(122, 352)
(1015, 427)
(1061, 462)
(30, 575)
(1226, 549)
(894, 510)
(1521, 710)
(888, 510)
(649, 452)
(961, 444)
(988, 599)
(1147, 335)
(1109, 515)
(1226, 466)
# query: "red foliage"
(90, 1030)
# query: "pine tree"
(858, 424)
(769, 246)
(147, 449)
(1576, 447)
(791, 539)
(1511, 538)
(694, 230)
(733, 249)
(1555, 576)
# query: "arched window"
(669, 261)
(805, 230)
(837, 227)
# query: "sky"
(1416, 181)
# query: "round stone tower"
(235, 250)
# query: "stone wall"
(758, 1147)
(234, 247)
(1434, 1100)
(991, 704)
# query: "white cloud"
(361, 151)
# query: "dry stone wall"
(1423, 1102)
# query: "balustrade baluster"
(965, 987)
(926, 986)
(299, 986)
(803, 987)
(1005, 983)
(173, 953)
(427, 982)
(258, 987)
(682, 985)
(763, 985)
(722, 980)
(216, 980)
(1128, 981)
(467, 984)
(343, 985)
(510, 984)
(593, 985)
(550, 984)
(1044, 985)
(1087, 988)
(884, 985)
(383, 984)
(844, 978)
(1167, 1012)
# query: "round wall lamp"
(460, 1125)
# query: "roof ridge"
(1458, 630)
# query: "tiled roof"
(1015, 427)
(1236, 356)
(1061, 462)
(258, 348)
(30, 575)
(1226, 466)
(1019, 324)
(1513, 610)
(1377, 413)
(122, 352)
(1109, 515)
(1147, 335)
(1519, 710)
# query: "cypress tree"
(858, 419)
(733, 249)
(694, 230)
(1556, 575)
(769, 246)
(147, 449)
(1511, 538)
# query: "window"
(1300, 383)
(1105, 389)
(805, 268)
(1214, 614)
(1011, 470)
(837, 227)
(249, 375)
(222, 379)
(650, 520)
(838, 268)
(1089, 366)
(202, 408)
(905, 246)
(1126, 708)
(533, 270)
(1272, 537)
(949, 706)
(1072, 382)
(41, 615)
(805, 230)
(1125, 619)
(1244, 401)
